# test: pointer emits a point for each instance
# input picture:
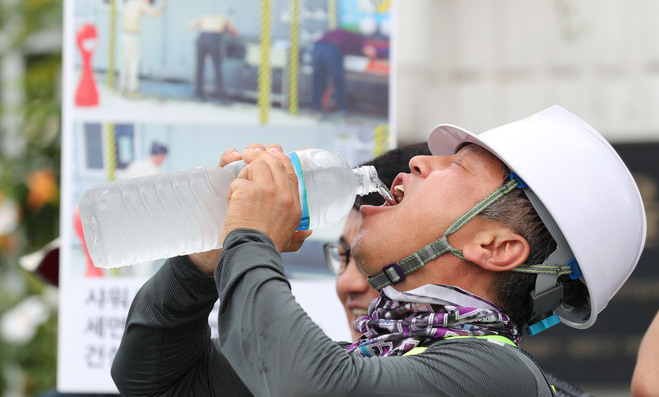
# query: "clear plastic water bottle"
(178, 213)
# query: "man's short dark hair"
(158, 148)
(512, 289)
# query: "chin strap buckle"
(544, 304)
(576, 270)
(394, 273)
(547, 301)
(543, 324)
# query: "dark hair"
(388, 166)
(512, 289)
(158, 148)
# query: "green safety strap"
(415, 351)
(498, 338)
(396, 272)
(558, 270)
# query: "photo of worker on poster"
(153, 86)
(201, 62)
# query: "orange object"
(42, 189)
(378, 66)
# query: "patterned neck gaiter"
(399, 321)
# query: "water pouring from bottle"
(385, 193)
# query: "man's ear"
(498, 249)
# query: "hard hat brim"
(446, 140)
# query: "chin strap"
(548, 292)
(396, 272)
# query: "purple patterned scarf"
(399, 321)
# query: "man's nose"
(423, 165)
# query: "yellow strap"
(381, 139)
(111, 151)
(264, 75)
(415, 350)
(331, 14)
(294, 59)
(111, 46)
(421, 349)
(499, 338)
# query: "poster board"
(139, 75)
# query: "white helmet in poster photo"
(581, 189)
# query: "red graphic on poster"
(86, 93)
(90, 269)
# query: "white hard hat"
(582, 191)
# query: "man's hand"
(264, 197)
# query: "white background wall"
(481, 63)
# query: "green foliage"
(23, 18)
(38, 224)
(37, 359)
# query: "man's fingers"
(286, 162)
(271, 165)
(265, 197)
(252, 152)
(274, 148)
(229, 156)
(235, 185)
(282, 170)
(297, 240)
(249, 154)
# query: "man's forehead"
(469, 147)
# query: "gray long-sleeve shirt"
(268, 345)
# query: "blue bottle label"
(304, 222)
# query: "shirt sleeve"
(273, 345)
(166, 348)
